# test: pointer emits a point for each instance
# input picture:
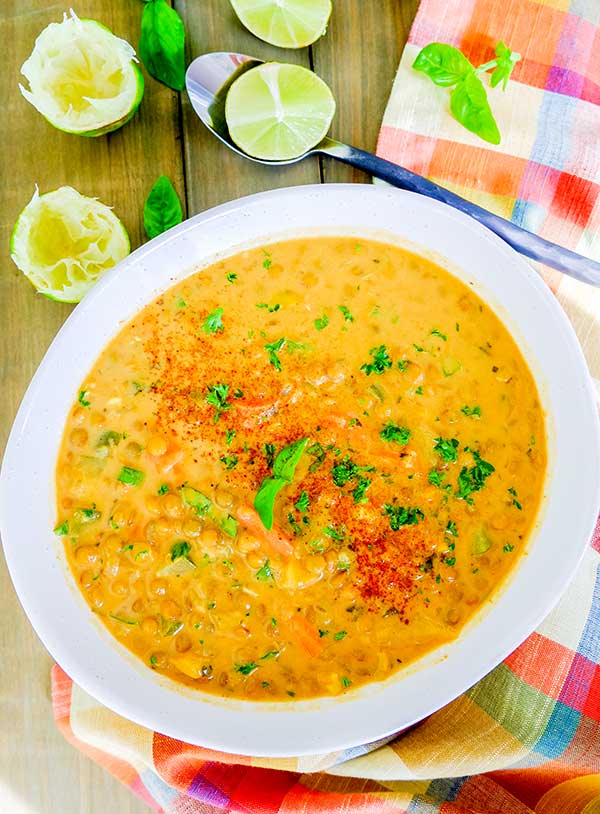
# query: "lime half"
(82, 78)
(63, 242)
(277, 112)
(286, 23)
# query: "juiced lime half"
(286, 23)
(63, 242)
(277, 112)
(82, 78)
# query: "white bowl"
(87, 651)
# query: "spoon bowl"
(208, 80)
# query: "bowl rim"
(97, 683)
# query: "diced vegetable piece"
(480, 543)
(205, 507)
(133, 477)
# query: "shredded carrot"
(275, 539)
(306, 635)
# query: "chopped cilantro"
(213, 323)
(437, 332)
(63, 529)
(229, 461)
(341, 634)
(344, 471)
(514, 501)
(231, 277)
(359, 492)
(153, 660)
(447, 448)
(508, 548)
(270, 308)
(318, 453)
(246, 669)
(273, 348)
(346, 313)
(82, 398)
(402, 515)
(450, 561)
(264, 573)
(217, 398)
(229, 436)
(451, 528)
(419, 391)
(273, 622)
(473, 479)
(381, 361)
(418, 348)
(133, 477)
(321, 322)
(470, 411)
(436, 478)
(180, 549)
(303, 502)
(392, 432)
(403, 365)
(267, 263)
(163, 489)
(270, 450)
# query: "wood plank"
(215, 174)
(358, 59)
(39, 772)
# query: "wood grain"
(358, 59)
(39, 772)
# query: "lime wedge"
(286, 23)
(63, 242)
(82, 78)
(277, 112)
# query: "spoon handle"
(527, 243)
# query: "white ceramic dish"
(86, 650)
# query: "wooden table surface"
(39, 772)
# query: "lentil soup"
(300, 469)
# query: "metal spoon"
(208, 80)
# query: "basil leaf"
(162, 208)
(469, 106)
(162, 44)
(505, 62)
(287, 460)
(264, 502)
(443, 64)
(284, 468)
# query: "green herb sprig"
(448, 67)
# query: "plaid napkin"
(527, 737)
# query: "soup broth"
(300, 469)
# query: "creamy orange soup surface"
(300, 469)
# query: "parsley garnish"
(347, 315)
(347, 470)
(321, 322)
(403, 365)
(302, 503)
(231, 277)
(359, 493)
(246, 669)
(213, 323)
(473, 479)
(508, 548)
(341, 634)
(451, 528)
(270, 450)
(437, 479)
(63, 529)
(419, 391)
(323, 633)
(163, 489)
(229, 461)
(318, 453)
(381, 361)
(402, 515)
(82, 398)
(217, 398)
(392, 432)
(229, 436)
(267, 262)
(180, 549)
(273, 348)
(514, 501)
(437, 332)
(332, 532)
(447, 449)
(271, 654)
(470, 411)
(181, 303)
(345, 681)
(270, 308)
